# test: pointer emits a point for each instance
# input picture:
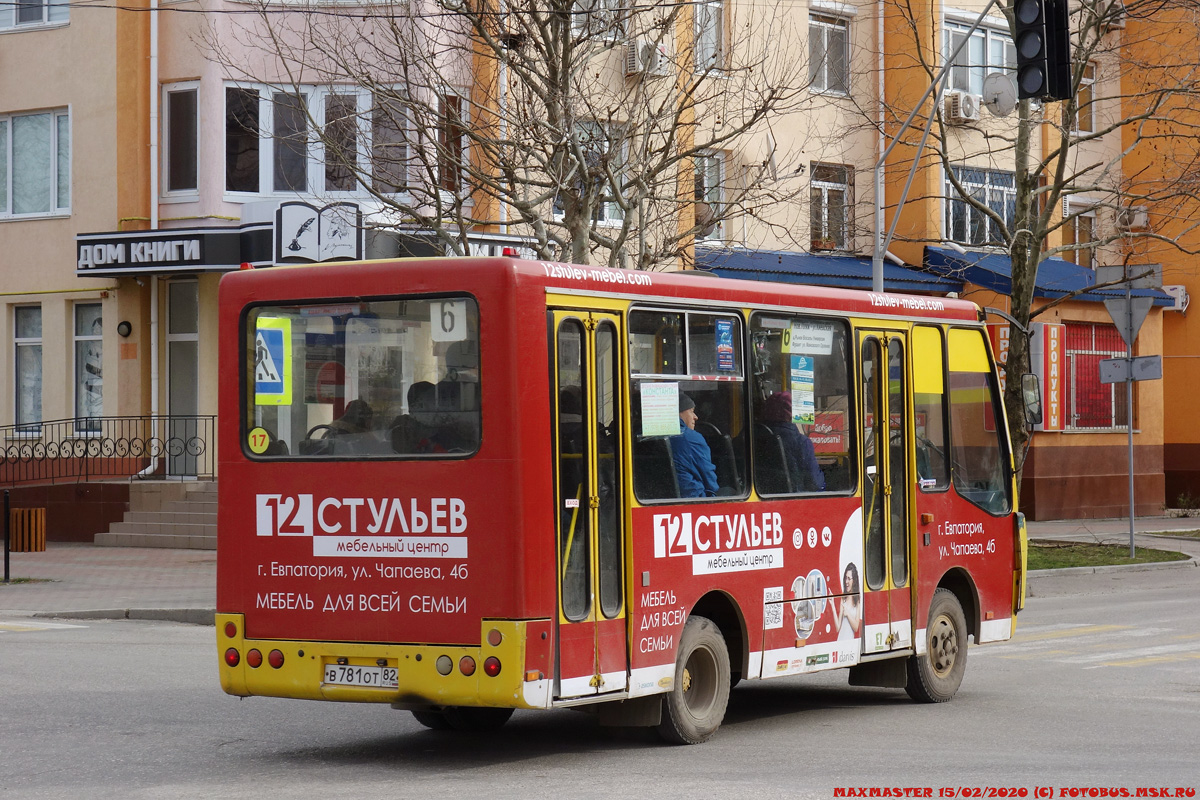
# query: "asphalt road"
(1099, 689)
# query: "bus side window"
(976, 452)
(801, 394)
(929, 403)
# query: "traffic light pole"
(881, 241)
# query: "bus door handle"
(594, 501)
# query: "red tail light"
(491, 666)
(275, 658)
(230, 630)
(232, 658)
(254, 659)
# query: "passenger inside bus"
(416, 431)
(800, 459)
(691, 455)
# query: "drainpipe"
(152, 467)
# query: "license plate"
(347, 675)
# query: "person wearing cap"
(693, 460)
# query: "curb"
(188, 616)
(1146, 567)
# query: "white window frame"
(993, 189)
(1085, 96)
(315, 180)
(990, 49)
(28, 426)
(822, 25)
(166, 192)
(824, 187)
(1086, 254)
(708, 30)
(60, 164)
(83, 343)
(53, 13)
(609, 213)
(710, 167)
(598, 18)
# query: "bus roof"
(338, 279)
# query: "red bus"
(467, 486)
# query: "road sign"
(1130, 312)
(1140, 368)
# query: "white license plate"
(347, 675)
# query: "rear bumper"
(419, 667)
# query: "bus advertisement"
(467, 486)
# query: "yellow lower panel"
(419, 681)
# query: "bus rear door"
(592, 651)
(887, 598)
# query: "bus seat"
(770, 464)
(654, 475)
(721, 447)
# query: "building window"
(987, 51)
(1078, 229)
(707, 186)
(828, 54)
(35, 164)
(598, 145)
(830, 202)
(270, 141)
(995, 190)
(452, 143)
(597, 18)
(32, 13)
(1093, 405)
(182, 138)
(28, 361)
(709, 26)
(1084, 101)
(242, 138)
(89, 367)
(389, 145)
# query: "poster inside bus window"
(804, 405)
(725, 345)
(810, 338)
(273, 362)
(660, 409)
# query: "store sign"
(1047, 358)
(178, 250)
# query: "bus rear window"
(373, 378)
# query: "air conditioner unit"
(961, 107)
(647, 57)
(1133, 218)
(1180, 294)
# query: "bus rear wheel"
(935, 675)
(695, 706)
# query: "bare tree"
(586, 126)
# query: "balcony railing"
(90, 448)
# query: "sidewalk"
(84, 581)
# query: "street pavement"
(82, 581)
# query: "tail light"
(254, 659)
(275, 658)
(491, 666)
(232, 657)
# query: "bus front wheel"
(695, 706)
(935, 675)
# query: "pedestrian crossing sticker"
(273, 362)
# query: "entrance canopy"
(841, 271)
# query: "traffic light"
(1043, 41)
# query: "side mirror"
(1031, 393)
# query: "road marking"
(7, 626)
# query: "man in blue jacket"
(693, 460)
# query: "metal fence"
(86, 448)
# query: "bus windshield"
(384, 378)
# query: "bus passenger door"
(887, 598)
(592, 655)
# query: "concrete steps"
(177, 514)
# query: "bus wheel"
(432, 718)
(934, 677)
(695, 706)
(473, 719)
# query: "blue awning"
(1056, 277)
(841, 271)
